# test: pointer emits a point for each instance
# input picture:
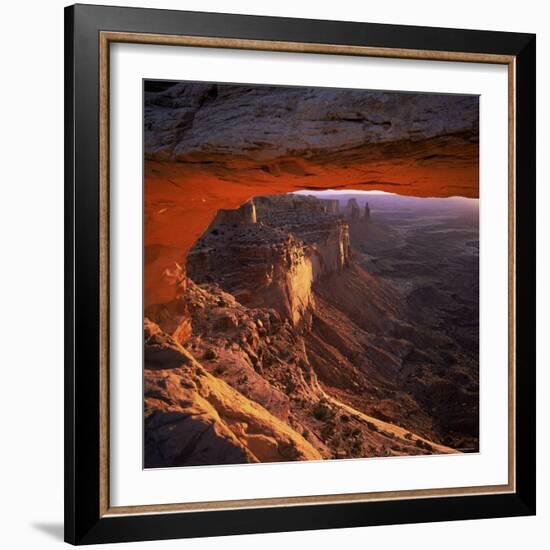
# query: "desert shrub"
(219, 370)
(210, 354)
(408, 436)
(423, 445)
(356, 448)
(321, 411)
(289, 384)
(327, 431)
(344, 418)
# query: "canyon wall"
(272, 258)
(281, 346)
(317, 223)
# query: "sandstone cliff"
(194, 418)
(268, 361)
(269, 252)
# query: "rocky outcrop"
(173, 316)
(194, 418)
(315, 222)
(273, 122)
(259, 265)
(352, 210)
(245, 214)
(274, 262)
(286, 370)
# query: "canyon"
(310, 276)
(293, 337)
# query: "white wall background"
(31, 273)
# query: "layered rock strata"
(194, 418)
(269, 252)
(270, 122)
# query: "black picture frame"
(84, 524)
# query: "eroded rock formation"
(293, 351)
(194, 418)
(245, 214)
(271, 259)
(352, 211)
(210, 147)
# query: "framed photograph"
(300, 274)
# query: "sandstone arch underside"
(209, 147)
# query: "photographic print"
(311, 266)
(299, 252)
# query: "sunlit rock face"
(243, 215)
(273, 261)
(194, 418)
(317, 223)
(258, 265)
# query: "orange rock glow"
(181, 199)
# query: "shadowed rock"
(352, 210)
(270, 122)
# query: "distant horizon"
(377, 192)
